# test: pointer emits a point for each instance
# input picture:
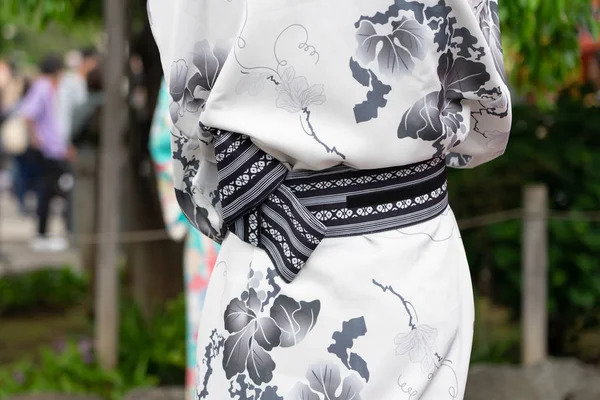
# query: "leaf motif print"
(369, 108)
(325, 379)
(237, 316)
(344, 341)
(422, 120)
(461, 75)
(395, 51)
(209, 63)
(260, 365)
(438, 116)
(441, 23)
(270, 393)
(177, 81)
(456, 160)
(294, 319)
(252, 337)
(394, 10)
(489, 21)
(198, 216)
(174, 111)
(302, 392)
(419, 343)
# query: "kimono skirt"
(371, 316)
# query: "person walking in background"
(200, 251)
(49, 139)
(72, 95)
(86, 121)
(73, 89)
(311, 138)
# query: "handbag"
(14, 136)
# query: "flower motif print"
(188, 94)
(254, 332)
(251, 337)
(295, 95)
(419, 344)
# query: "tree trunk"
(111, 158)
(155, 267)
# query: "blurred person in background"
(72, 95)
(5, 78)
(200, 251)
(87, 116)
(14, 135)
(40, 108)
(73, 88)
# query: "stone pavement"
(16, 232)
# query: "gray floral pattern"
(325, 383)
(258, 321)
(395, 52)
(295, 95)
(439, 117)
(420, 344)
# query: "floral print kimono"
(311, 138)
(200, 252)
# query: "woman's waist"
(355, 202)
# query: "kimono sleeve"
(160, 150)
(179, 28)
(490, 106)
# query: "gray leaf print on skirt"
(325, 379)
(295, 319)
(344, 341)
(252, 337)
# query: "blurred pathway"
(16, 231)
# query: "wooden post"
(535, 275)
(111, 161)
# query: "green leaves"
(40, 12)
(541, 42)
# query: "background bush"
(561, 148)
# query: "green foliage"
(155, 347)
(541, 41)
(45, 290)
(496, 337)
(558, 148)
(38, 12)
(69, 371)
(151, 352)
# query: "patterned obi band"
(288, 213)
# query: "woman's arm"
(181, 31)
(490, 106)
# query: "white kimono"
(319, 84)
